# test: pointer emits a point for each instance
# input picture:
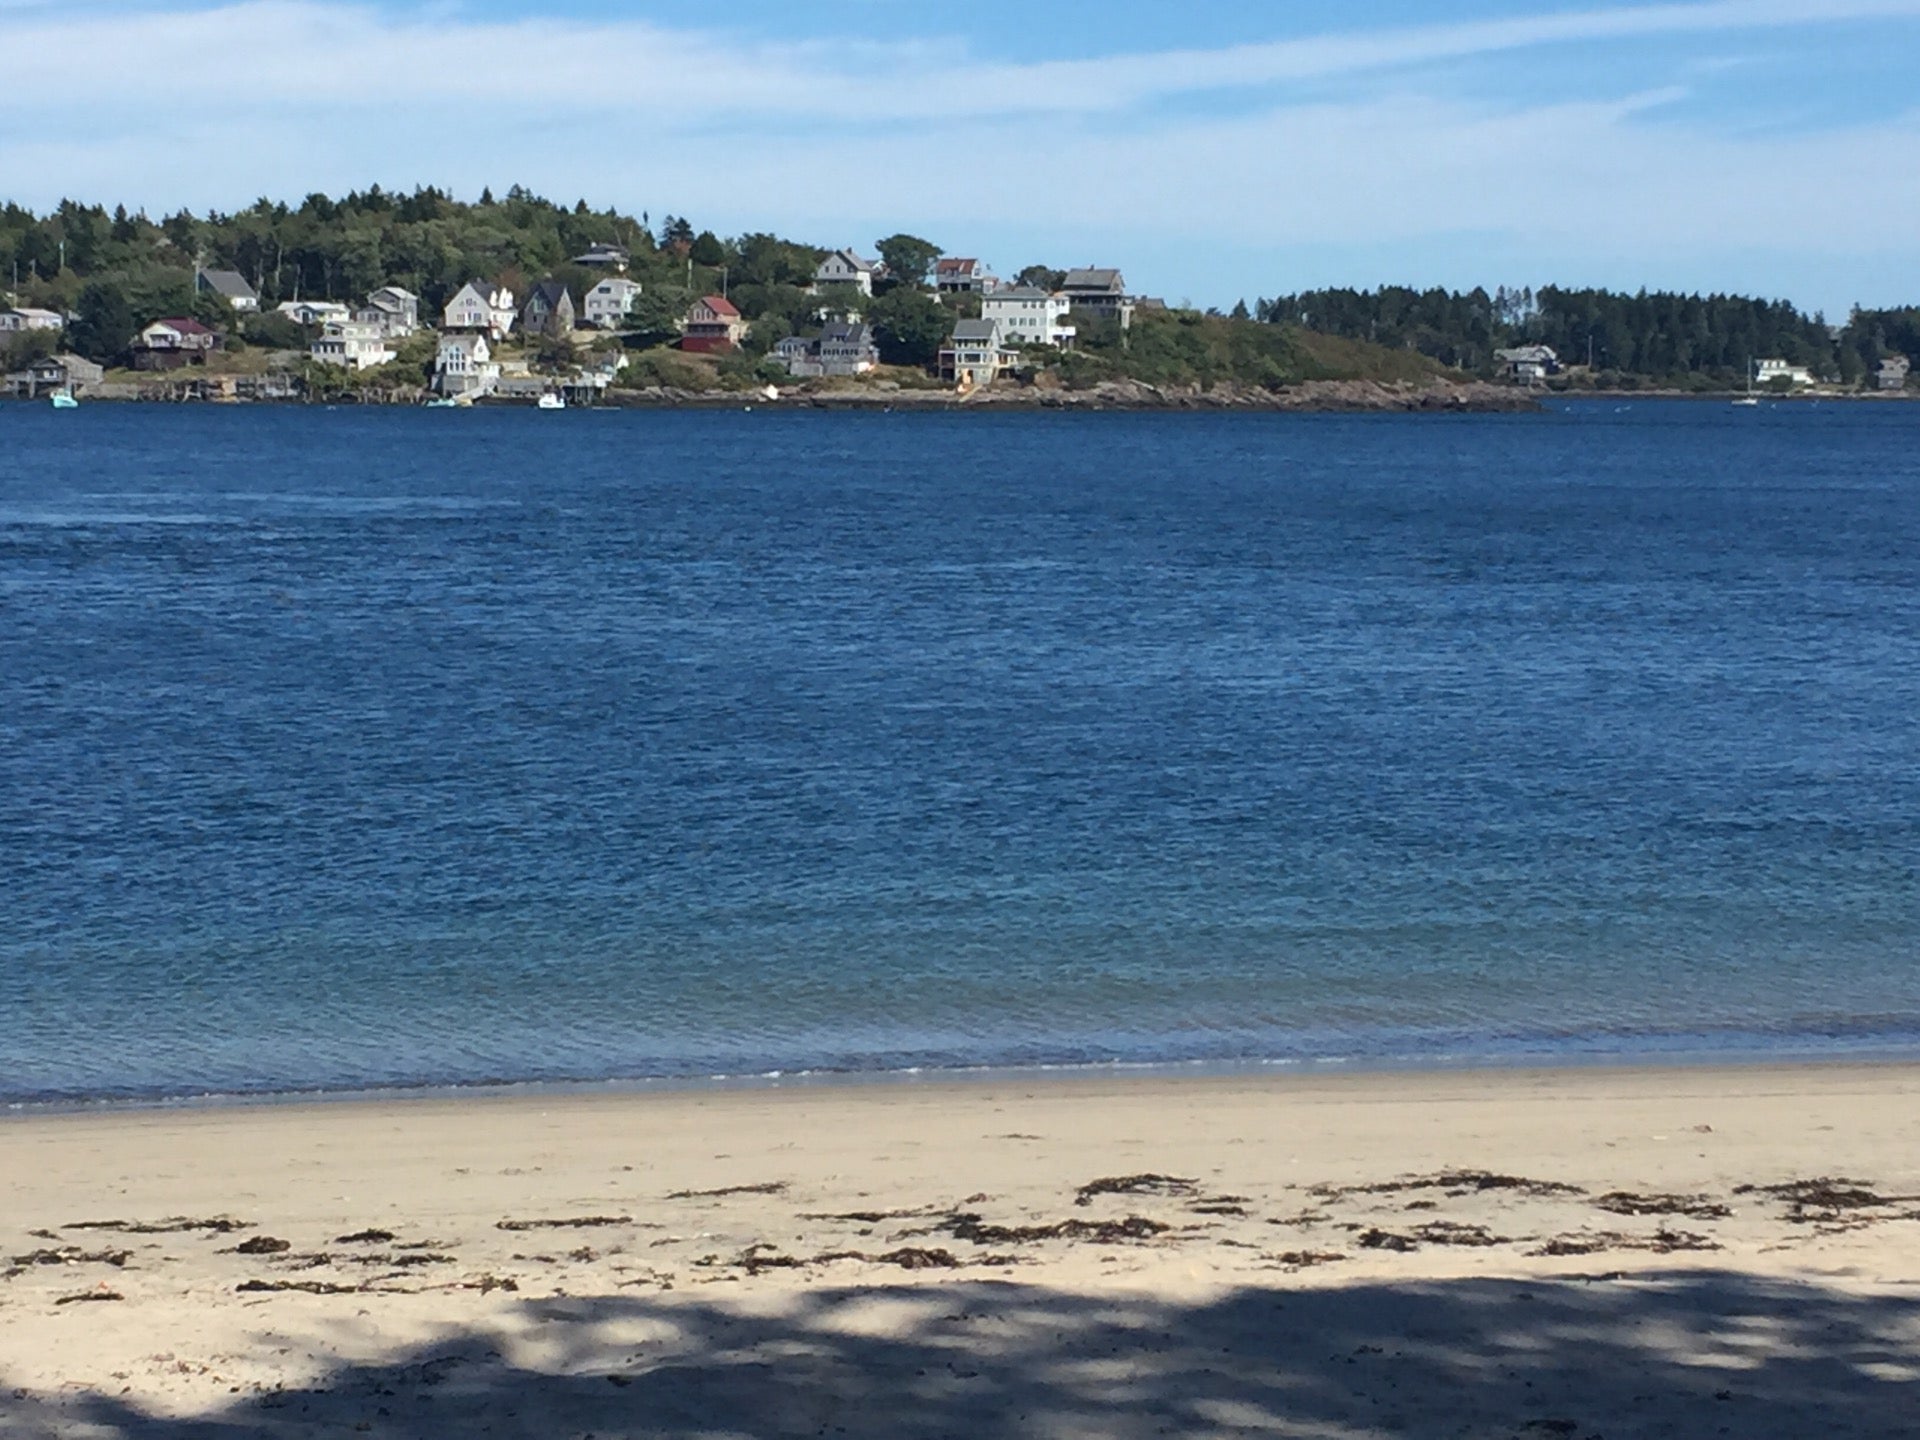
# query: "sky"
(1214, 150)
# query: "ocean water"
(347, 749)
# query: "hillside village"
(420, 298)
(490, 342)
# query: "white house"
(610, 302)
(1528, 364)
(1028, 315)
(1892, 374)
(313, 312)
(1768, 371)
(976, 355)
(28, 318)
(352, 345)
(844, 267)
(395, 310)
(464, 365)
(478, 306)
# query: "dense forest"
(1657, 335)
(113, 272)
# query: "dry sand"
(1532, 1254)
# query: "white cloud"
(340, 57)
(841, 142)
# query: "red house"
(713, 326)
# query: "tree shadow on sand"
(1693, 1354)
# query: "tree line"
(1656, 335)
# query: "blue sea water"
(345, 749)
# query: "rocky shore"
(1325, 396)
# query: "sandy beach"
(1600, 1252)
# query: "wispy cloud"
(830, 140)
(343, 57)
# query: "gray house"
(1100, 292)
(230, 285)
(1893, 372)
(842, 348)
(548, 311)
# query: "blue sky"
(1213, 150)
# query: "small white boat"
(1749, 398)
(64, 400)
(551, 400)
(443, 402)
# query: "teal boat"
(63, 400)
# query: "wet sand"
(1589, 1252)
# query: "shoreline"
(1329, 397)
(1638, 1250)
(968, 1077)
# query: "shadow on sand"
(1694, 1354)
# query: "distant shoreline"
(1310, 397)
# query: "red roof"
(184, 325)
(721, 307)
(955, 265)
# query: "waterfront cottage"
(1100, 292)
(610, 302)
(1768, 372)
(352, 345)
(975, 355)
(712, 326)
(55, 372)
(1892, 374)
(479, 306)
(229, 285)
(1527, 364)
(173, 342)
(1028, 315)
(842, 348)
(464, 365)
(549, 310)
(844, 267)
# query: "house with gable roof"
(842, 348)
(479, 306)
(26, 317)
(549, 310)
(173, 342)
(395, 310)
(977, 354)
(713, 326)
(610, 302)
(229, 285)
(845, 267)
(464, 365)
(961, 275)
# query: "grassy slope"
(1186, 348)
